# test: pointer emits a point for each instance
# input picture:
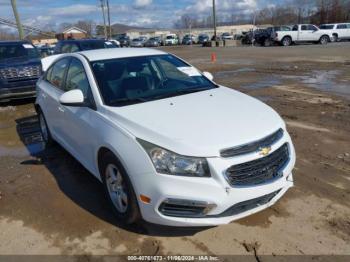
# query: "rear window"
(25, 50)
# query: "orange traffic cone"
(213, 58)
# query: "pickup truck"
(304, 33)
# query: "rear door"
(343, 31)
(51, 90)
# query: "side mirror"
(73, 98)
(208, 75)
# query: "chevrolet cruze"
(169, 145)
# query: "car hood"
(19, 61)
(199, 124)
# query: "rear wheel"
(267, 42)
(286, 41)
(119, 190)
(324, 40)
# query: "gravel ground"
(49, 204)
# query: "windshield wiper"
(128, 101)
(180, 92)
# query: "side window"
(304, 28)
(341, 26)
(348, 26)
(295, 28)
(57, 74)
(312, 28)
(48, 74)
(77, 79)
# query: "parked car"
(115, 42)
(266, 37)
(226, 36)
(20, 68)
(153, 42)
(138, 42)
(189, 40)
(304, 33)
(46, 50)
(171, 39)
(71, 46)
(124, 40)
(338, 31)
(128, 117)
(203, 38)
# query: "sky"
(144, 13)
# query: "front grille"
(259, 171)
(17, 74)
(254, 146)
(247, 205)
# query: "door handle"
(61, 109)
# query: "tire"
(336, 38)
(324, 40)
(119, 190)
(44, 130)
(286, 41)
(267, 42)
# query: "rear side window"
(295, 28)
(57, 72)
(343, 26)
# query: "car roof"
(114, 53)
(82, 40)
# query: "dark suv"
(20, 68)
(71, 46)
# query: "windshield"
(127, 81)
(18, 50)
(326, 27)
(170, 37)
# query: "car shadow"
(79, 185)
(17, 102)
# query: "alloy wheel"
(116, 188)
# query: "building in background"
(72, 33)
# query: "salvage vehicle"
(339, 31)
(266, 37)
(153, 42)
(164, 139)
(304, 33)
(189, 40)
(138, 42)
(203, 38)
(171, 39)
(20, 68)
(71, 45)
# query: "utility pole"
(214, 19)
(104, 18)
(109, 20)
(18, 21)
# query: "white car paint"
(199, 124)
(339, 31)
(303, 33)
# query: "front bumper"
(17, 90)
(217, 192)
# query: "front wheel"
(324, 40)
(44, 129)
(119, 190)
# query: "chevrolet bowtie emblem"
(264, 151)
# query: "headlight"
(167, 162)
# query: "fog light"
(185, 208)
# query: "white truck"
(339, 31)
(304, 33)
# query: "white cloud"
(142, 3)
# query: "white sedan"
(170, 145)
